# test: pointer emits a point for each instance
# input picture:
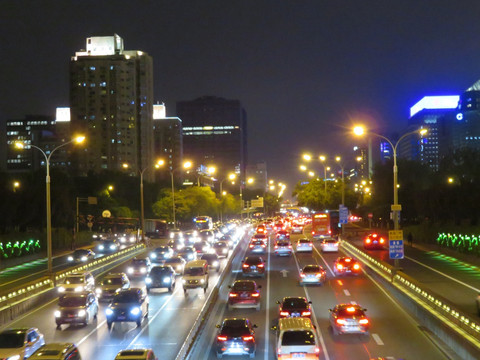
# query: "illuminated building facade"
(466, 132)
(215, 133)
(111, 100)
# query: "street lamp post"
(21, 145)
(339, 159)
(231, 177)
(186, 165)
(395, 208)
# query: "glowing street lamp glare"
(359, 130)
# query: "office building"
(215, 133)
(258, 172)
(466, 130)
(111, 101)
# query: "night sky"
(303, 70)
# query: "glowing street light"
(307, 157)
(303, 168)
(16, 185)
(185, 166)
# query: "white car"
(304, 245)
(329, 245)
(20, 343)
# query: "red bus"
(321, 225)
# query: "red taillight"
(339, 266)
(310, 244)
(317, 350)
(251, 246)
(261, 265)
(221, 338)
(348, 260)
(232, 295)
(340, 321)
(382, 240)
(363, 321)
(302, 275)
(313, 232)
(356, 267)
(374, 235)
(289, 246)
(329, 231)
(368, 241)
(263, 245)
(284, 313)
(306, 313)
(276, 246)
(318, 275)
(247, 338)
(246, 266)
(256, 294)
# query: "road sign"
(397, 207)
(396, 249)
(343, 212)
(257, 202)
(395, 235)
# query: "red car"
(294, 307)
(253, 266)
(374, 241)
(244, 294)
(346, 265)
(261, 229)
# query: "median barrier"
(437, 312)
(26, 297)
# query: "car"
(346, 265)
(107, 246)
(297, 229)
(110, 284)
(177, 263)
(329, 245)
(81, 256)
(190, 237)
(261, 229)
(244, 294)
(161, 253)
(278, 226)
(313, 275)
(236, 337)
(175, 234)
(282, 235)
(128, 305)
(253, 266)
(176, 244)
(57, 351)
(188, 253)
(207, 235)
(77, 282)
(229, 240)
(296, 338)
(304, 245)
(202, 247)
(221, 248)
(136, 354)
(349, 319)
(20, 343)
(76, 308)
(161, 277)
(294, 306)
(283, 248)
(212, 260)
(258, 247)
(374, 241)
(139, 267)
(195, 275)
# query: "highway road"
(394, 334)
(456, 281)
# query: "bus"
(321, 227)
(203, 223)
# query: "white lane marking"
(325, 261)
(347, 293)
(443, 274)
(284, 272)
(377, 339)
(91, 332)
(315, 322)
(267, 315)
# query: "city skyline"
(318, 65)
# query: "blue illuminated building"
(466, 132)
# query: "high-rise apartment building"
(215, 133)
(111, 101)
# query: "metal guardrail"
(202, 317)
(442, 309)
(39, 286)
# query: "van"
(195, 275)
(296, 337)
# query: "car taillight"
(263, 245)
(302, 275)
(232, 295)
(251, 246)
(339, 266)
(306, 313)
(340, 321)
(247, 338)
(289, 246)
(368, 241)
(284, 313)
(313, 232)
(276, 246)
(221, 338)
(261, 265)
(363, 321)
(246, 266)
(348, 260)
(317, 350)
(310, 244)
(356, 267)
(329, 231)
(382, 240)
(256, 294)
(318, 275)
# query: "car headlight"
(148, 280)
(109, 312)
(184, 281)
(179, 267)
(190, 256)
(130, 270)
(98, 291)
(153, 255)
(202, 281)
(166, 280)
(101, 247)
(135, 311)
(14, 357)
(215, 263)
(57, 313)
(122, 239)
(61, 289)
(113, 247)
(84, 258)
(143, 270)
(224, 251)
(70, 258)
(205, 248)
(79, 288)
(82, 313)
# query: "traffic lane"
(457, 283)
(393, 332)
